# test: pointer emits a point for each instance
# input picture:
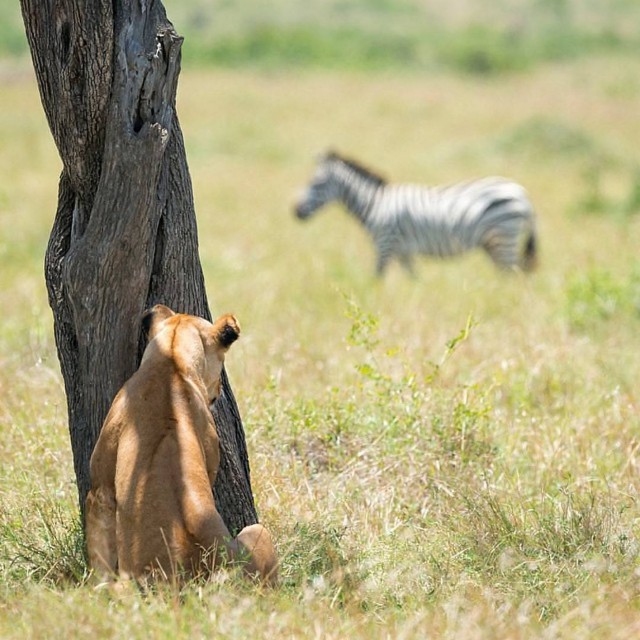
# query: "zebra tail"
(530, 256)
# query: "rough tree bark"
(124, 235)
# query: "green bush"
(307, 46)
(482, 50)
(546, 136)
(371, 36)
(13, 42)
(42, 544)
(597, 296)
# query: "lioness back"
(158, 454)
(161, 471)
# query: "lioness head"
(193, 343)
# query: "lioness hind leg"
(102, 549)
(256, 541)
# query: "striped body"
(405, 219)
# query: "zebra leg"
(382, 262)
(406, 260)
(529, 260)
(502, 250)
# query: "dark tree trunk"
(124, 235)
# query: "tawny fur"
(151, 508)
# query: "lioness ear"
(152, 319)
(226, 330)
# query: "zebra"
(406, 219)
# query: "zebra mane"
(360, 169)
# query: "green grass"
(406, 35)
(454, 455)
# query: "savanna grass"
(454, 455)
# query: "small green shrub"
(275, 46)
(317, 559)
(597, 201)
(630, 205)
(597, 296)
(461, 433)
(482, 50)
(48, 547)
(13, 42)
(594, 201)
(550, 137)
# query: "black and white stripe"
(404, 219)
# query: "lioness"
(151, 509)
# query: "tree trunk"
(124, 235)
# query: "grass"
(452, 456)
(461, 36)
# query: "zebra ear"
(329, 154)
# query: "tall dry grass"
(450, 456)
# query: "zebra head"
(322, 189)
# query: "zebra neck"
(358, 196)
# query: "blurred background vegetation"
(418, 35)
